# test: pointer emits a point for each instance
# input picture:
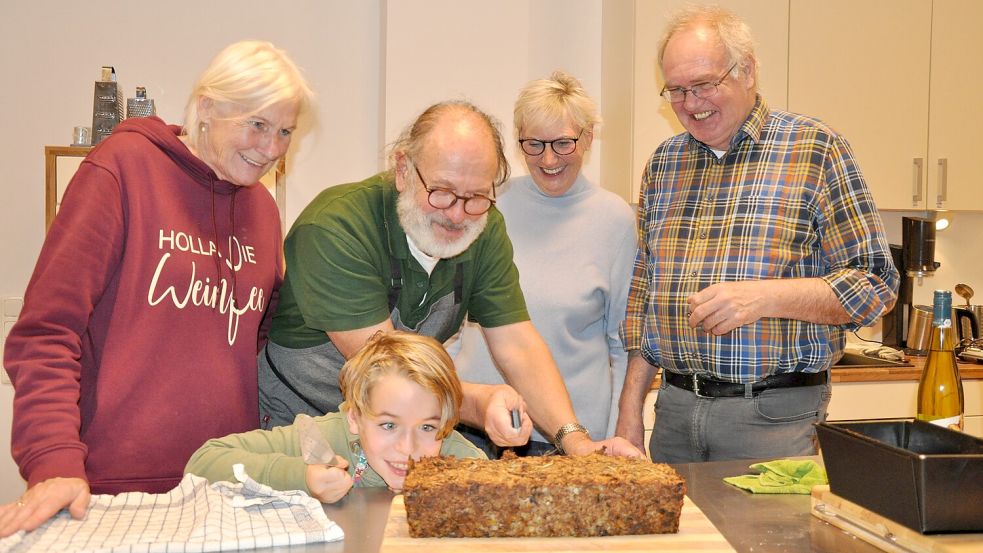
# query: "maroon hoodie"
(138, 337)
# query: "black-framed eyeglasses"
(562, 146)
(442, 198)
(699, 90)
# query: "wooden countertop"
(967, 371)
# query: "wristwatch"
(564, 430)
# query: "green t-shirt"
(339, 275)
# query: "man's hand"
(578, 443)
(498, 417)
(42, 502)
(722, 307)
(329, 484)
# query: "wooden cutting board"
(884, 533)
(696, 532)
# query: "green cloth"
(781, 476)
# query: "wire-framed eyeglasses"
(562, 146)
(699, 90)
(442, 198)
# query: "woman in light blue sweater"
(574, 247)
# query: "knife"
(313, 446)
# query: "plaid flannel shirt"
(787, 200)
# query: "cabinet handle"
(943, 177)
(916, 197)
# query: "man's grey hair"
(410, 141)
(733, 32)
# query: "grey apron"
(305, 380)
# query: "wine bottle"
(940, 391)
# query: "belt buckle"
(696, 386)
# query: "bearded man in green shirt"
(417, 248)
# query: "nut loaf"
(594, 495)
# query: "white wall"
(485, 52)
(374, 65)
(51, 52)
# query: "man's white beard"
(419, 227)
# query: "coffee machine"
(915, 259)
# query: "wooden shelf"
(51, 155)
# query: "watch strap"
(567, 429)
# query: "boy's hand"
(329, 484)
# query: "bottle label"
(948, 422)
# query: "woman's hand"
(329, 484)
(42, 501)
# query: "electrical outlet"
(9, 310)
(12, 307)
(7, 325)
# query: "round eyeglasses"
(563, 146)
(442, 198)
(699, 90)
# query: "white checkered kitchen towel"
(194, 516)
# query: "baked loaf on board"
(594, 495)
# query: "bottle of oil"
(940, 391)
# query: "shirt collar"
(754, 123)
(751, 128)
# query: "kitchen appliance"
(915, 259)
(919, 328)
(966, 319)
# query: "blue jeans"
(776, 423)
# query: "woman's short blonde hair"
(420, 359)
(247, 76)
(545, 101)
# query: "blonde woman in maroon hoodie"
(138, 337)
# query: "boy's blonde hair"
(420, 359)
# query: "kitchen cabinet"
(893, 400)
(900, 79)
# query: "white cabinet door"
(956, 112)
(863, 68)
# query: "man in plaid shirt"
(759, 247)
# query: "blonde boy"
(402, 400)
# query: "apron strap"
(396, 282)
(459, 284)
(279, 375)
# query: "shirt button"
(703, 235)
(693, 274)
(419, 285)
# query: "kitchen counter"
(749, 522)
(967, 371)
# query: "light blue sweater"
(575, 254)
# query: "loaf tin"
(923, 476)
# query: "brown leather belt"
(704, 386)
